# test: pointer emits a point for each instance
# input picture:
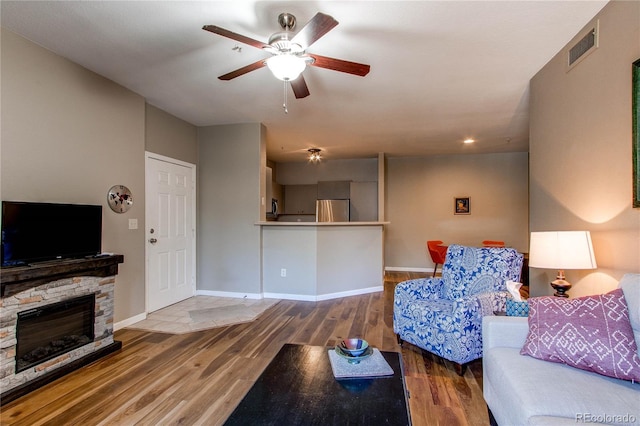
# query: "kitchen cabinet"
(364, 201)
(269, 186)
(300, 199)
(334, 190)
(274, 193)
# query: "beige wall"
(68, 135)
(231, 165)
(580, 152)
(419, 204)
(170, 136)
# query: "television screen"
(33, 232)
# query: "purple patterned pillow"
(592, 333)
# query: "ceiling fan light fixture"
(286, 67)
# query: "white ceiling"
(441, 71)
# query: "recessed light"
(469, 140)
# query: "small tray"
(354, 359)
(371, 367)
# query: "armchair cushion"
(473, 270)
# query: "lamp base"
(561, 287)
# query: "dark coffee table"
(298, 388)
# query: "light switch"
(133, 223)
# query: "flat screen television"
(35, 232)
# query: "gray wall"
(580, 145)
(361, 170)
(230, 186)
(68, 135)
(420, 196)
(170, 136)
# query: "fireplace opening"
(48, 331)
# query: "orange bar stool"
(492, 243)
(437, 252)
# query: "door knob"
(153, 240)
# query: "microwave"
(273, 212)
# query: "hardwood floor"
(199, 378)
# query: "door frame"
(149, 156)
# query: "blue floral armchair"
(444, 315)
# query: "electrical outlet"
(283, 272)
(133, 223)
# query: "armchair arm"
(419, 289)
(500, 331)
(481, 304)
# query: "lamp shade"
(286, 67)
(561, 250)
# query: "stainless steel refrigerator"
(332, 211)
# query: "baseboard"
(350, 293)
(129, 321)
(285, 296)
(320, 297)
(406, 269)
(229, 294)
(302, 297)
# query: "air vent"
(584, 46)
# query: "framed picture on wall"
(636, 132)
(461, 205)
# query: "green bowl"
(354, 347)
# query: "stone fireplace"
(54, 318)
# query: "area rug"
(203, 312)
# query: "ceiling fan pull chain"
(284, 105)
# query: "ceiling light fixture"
(469, 140)
(314, 154)
(287, 66)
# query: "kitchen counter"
(276, 223)
(321, 260)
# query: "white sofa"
(521, 390)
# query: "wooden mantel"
(19, 278)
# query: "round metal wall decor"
(119, 198)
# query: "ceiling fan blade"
(235, 36)
(340, 65)
(241, 71)
(318, 26)
(299, 87)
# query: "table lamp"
(561, 250)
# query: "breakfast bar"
(321, 260)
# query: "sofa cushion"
(630, 284)
(521, 389)
(474, 270)
(592, 333)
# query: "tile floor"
(203, 312)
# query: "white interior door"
(170, 231)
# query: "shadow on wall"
(615, 244)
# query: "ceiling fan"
(288, 49)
